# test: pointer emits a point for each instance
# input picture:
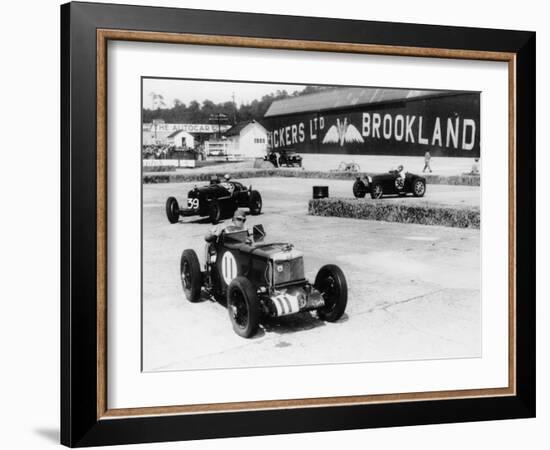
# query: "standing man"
(427, 158)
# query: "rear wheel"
(243, 307)
(215, 211)
(331, 283)
(172, 210)
(419, 188)
(255, 203)
(359, 190)
(376, 191)
(191, 277)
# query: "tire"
(243, 307)
(215, 211)
(190, 274)
(419, 188)
(359, 190)
(376, 191)
(332, 284)
(172, 210)
(255, 203)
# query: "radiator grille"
(286, 271)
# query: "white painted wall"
(183, 136)
(252, 142)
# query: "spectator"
(475, 167)
(427, 159)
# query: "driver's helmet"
(226, 177)
(399, 168)
(239, 217)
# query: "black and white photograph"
(300, 224)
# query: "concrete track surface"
(414, 290)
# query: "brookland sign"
(446, 126)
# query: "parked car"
(287, 158)
(256, 280)
(389, 184)
(217, 200)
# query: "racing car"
(217, 201)
(389, 184)
(257, 280)
(287, 158)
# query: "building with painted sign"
(378, 121)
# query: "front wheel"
(331, 283)
(359, 190)
(419, 188)
(243, 307)
(255, 203)
(191, 277)
(377, 191)
(172, 210)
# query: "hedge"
(159, 168)
(297, 173)
(390, 210)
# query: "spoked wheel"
(419, 188)
(377, 191)
(359, 190)
(172, 210)
(331, 283)
(243, 308)
(191, 277)
(255, 203)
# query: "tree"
(200, 113)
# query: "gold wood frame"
(103, 36)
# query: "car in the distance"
(287, 158)
(390, 183)
(256, 280)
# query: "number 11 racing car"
(257, 280)
(217, 201)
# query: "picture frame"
(86, 418)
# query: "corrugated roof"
(344, 97)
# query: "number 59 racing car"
(259, 280)
(217, 200)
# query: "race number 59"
(192, 203)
